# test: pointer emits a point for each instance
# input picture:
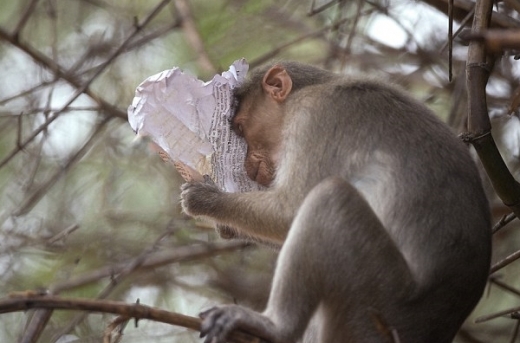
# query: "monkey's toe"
(217, 324)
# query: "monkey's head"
(259, 119)
(260, 112)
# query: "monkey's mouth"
(264, 177)
(260, 173)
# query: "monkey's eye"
(239, 129)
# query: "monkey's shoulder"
(355, 87)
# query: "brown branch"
(463, 7)
(29, 9)
(506, 261)
(33, 199)
(50, 64)
(504, 286)
(462, 26)
(39, 321)
(80, 88)
(277, 50)
(506, 219)
(496, 41)
(353, 30)
(193, 36)
(315, 10)
(497, 315)
(118, 324)
(146, 260)
(73, 78)
(114, 281)
(35, 326)
(179, 254)
(32, 300)
(450, 40)
(467, 337)
(478, 69)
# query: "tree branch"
(31, 300)
(193, 36)
(479, 65)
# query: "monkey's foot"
(219, 322)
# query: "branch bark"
(32, 300)
(478, 69)
(193, 36)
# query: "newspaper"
(189, 121)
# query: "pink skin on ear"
(277, 83)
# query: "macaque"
(379, 210)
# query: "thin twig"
(80, 89)
(463, 24)
(504, 286)
(506, 261)
(506, 219)
(489, 317)
(450, 40)
(179, 254)
(29, 9)
(515, 332)
(193, 36)
(62, 234)
(277, 50)
(114, 281)
(315, 10)
(30, 201)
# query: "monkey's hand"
(200, 198)
(219, 322)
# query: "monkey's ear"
(277, 83)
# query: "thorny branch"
(24, 301)
(146, 260)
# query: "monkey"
(377, 206)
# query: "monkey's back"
(417, 176)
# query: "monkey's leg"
(337, 257)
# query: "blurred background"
(86, 210)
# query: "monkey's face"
(259, 121)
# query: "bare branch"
(183, 253)
(29, 9)
(32, 300)
(30, 201)
(193, 36)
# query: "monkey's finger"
(204, 314)
(217, 325)
(208, 179)
(226, 322)
(207, 326)
(185, 186)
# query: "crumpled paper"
(189, 121)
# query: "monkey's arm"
(261, 215)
